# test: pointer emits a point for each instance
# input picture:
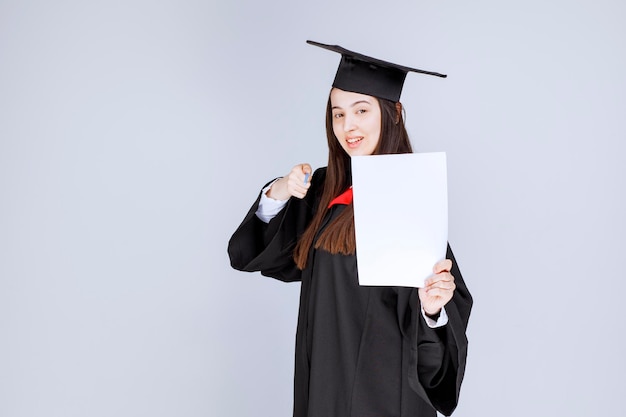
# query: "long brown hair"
(338, 236)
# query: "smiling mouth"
(352, 141)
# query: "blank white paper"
(400, 217)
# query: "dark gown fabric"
(360, 351)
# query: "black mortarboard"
(366, 75)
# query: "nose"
(348, 123)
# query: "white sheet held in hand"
(400, 216)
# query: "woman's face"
(356, 121)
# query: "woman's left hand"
(438, 289)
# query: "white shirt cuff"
(268, 207)
(441, 321)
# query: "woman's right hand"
(293, 184)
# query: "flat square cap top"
(366, 75)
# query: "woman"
(360, 351)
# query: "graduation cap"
(359, 73)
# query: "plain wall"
(135, 135)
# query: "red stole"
(344, 198)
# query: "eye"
(361, 111)
(338, 115)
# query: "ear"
(398, 112)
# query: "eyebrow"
(353, 104)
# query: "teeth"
(354, 140)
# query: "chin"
(359, 152)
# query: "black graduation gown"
(360, 351)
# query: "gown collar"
(344, 198)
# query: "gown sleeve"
(268, 247)
(436, 357)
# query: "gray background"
(134, 135)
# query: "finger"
(440, 293)
(301, 174)
(297, 192)
(442, 276)
(298, 187)
(441, 266)
(441, 285)
(439, 288)
(307, 170)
